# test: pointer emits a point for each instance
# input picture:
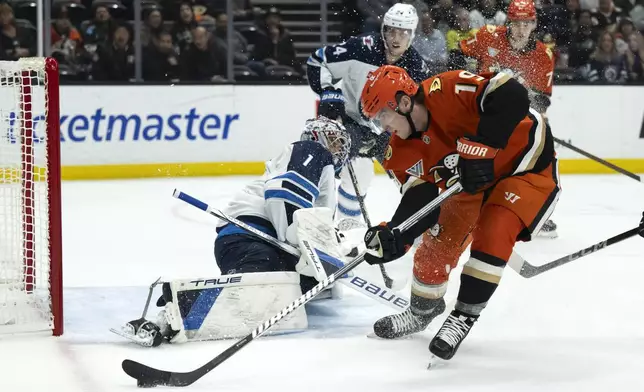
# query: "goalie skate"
(406, 323)
(141, 331)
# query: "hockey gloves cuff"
(475, 164)
(331, 104)
(383, 244)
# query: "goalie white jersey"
(302, 176)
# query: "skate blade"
(372, 335)
(550, 235)
(435, 362)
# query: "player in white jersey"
(258, 279)
(350, 62)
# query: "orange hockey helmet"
(522, 10)
(382, 89)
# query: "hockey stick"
(389, 282)
(527, 270)
(149, 377)
(360, 284)
(599, 160)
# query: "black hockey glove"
(377, 148)
(475, 164)
(331, 104)
(642, 226)
(383, 244)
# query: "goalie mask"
(333, 136)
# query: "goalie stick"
(599, 160)
(527, 270)
(389, 282)
(358, 283)
(148, 377)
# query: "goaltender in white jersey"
(292, 200)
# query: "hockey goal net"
(30, 225)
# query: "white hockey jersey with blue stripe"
(347, 65)
(302, 176)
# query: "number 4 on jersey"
(339, 50)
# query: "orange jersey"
(457, 102)
(490, 47)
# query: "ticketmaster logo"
(109, 127)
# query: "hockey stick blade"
(527, 270)
(149, 377)
(146, 376)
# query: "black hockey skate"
(451, 335)
(407, 322)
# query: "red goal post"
(31, 295)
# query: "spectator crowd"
(181, 40)
(593, 40)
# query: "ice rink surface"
(575, 328)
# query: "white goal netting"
(25, 262)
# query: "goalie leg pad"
(231, 306)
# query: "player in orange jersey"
(476, 129)
(515, 51)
